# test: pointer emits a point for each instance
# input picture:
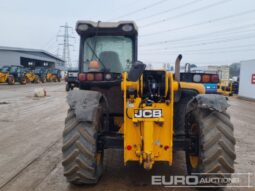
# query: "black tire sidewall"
(67, 87)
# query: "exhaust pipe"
(177, 68)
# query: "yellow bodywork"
(51, 77)
(195, 86)
(31, 77)
(4, 77)
(148, 140)
(225, 88)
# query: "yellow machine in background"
(49, 77)
(31, 77)
(4, 74)
(53, 75)
(4, 77)
(225, 88)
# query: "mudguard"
(84, 103)
(208, 101)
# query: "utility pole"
(66, 44)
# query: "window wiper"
(95, 54)
(94, 49)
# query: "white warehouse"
(247, 79)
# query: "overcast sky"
(206, 32)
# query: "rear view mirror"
(136, 71)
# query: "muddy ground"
(31, 139)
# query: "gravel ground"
(31, 138)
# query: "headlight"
(197, 78)
(127, 28)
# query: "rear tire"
(82, 163)
(11, 80)
(27, 80)
(36, 80)
(215, 144)
(23, 81)
(43, 79)
(68, 87)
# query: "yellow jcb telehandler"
(147, 113)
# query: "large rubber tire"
(216, 144)
(36, 80)
(43, 79)
(82, 163)
(11, 80)
(23, 81)
(68, 87)
(54, 79)
(28, 80)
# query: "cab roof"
(105, 25)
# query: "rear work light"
(83, 27)
(90, 77)
(215, 78)
(108, 76)
(98, 76)
(197, 78)
(82, 77)
(206, 78)
(127, 28)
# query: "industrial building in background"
(29, 58)
(247, 79)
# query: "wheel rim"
(23, 81)
(12, 80)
